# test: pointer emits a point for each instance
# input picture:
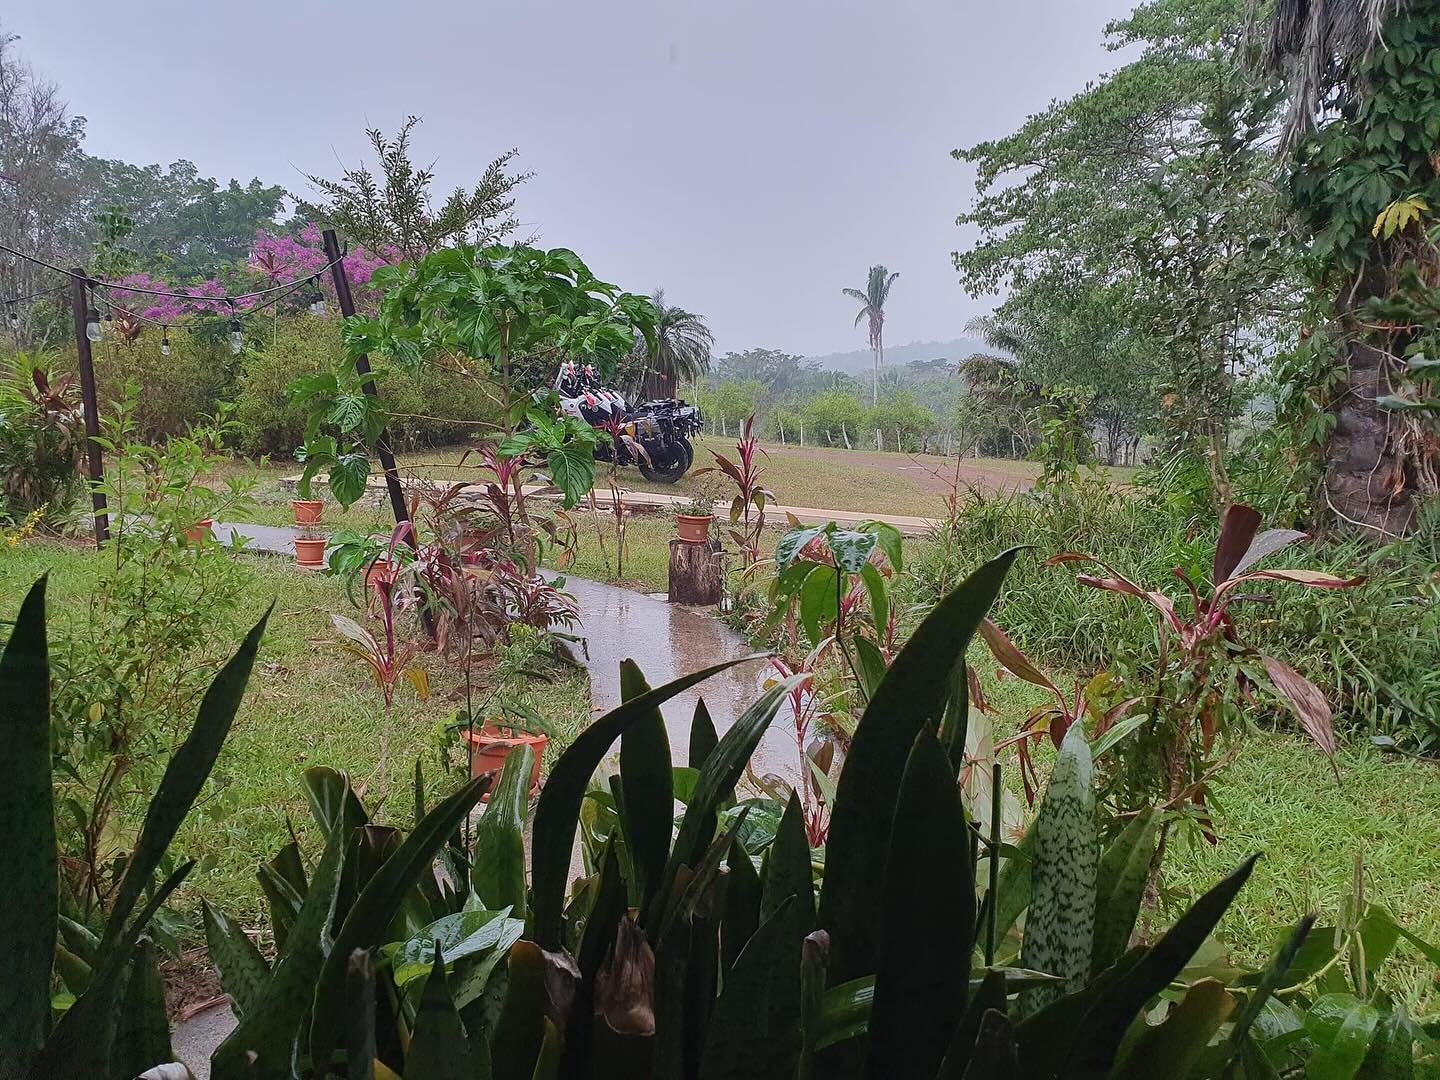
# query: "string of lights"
(172, 295)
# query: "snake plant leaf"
(912, 695)
(439, 1047)
(76, 974)
(703, 737)
(376, 905)
(955, 722)
(787, 868)
(1172, 1047)
(547, 1063)
(142, 1033)
(1120, 886)
(81, 1044)
(28, 862)
(754, 1032)
(185, 775)
(1051, 1041)
(520, 1032)
(333, 802)
(599, 932)
(360, 1032)
(558, 812)
(922, 976)
(990, 995)
(497, 871)
(996, 1053)
(269, 1035)
(283, 900)
(742, 904)
(722, 771)
(648, 785)
(243, 971)
(813, 952)
(1061, 919)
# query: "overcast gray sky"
(752, 157)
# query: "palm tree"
(683, 344)
(872, 307)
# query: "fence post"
(80, 298)
(362, 365)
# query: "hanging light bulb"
(13, 318)
(317, 299)
(165, 341)
(237, 337)
(92, 324)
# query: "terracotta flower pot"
(376, 574)
(492, 746)
(200, 531)
(310, 551)
(307, 511)
(693, 530)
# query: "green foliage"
(566, 446)
(172, 391)
(113, 1022)
(41, 440)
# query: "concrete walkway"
(641, 501)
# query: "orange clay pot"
(492, 746)
(693, 530)
(310, 551)
(200, 531)
(307, 511)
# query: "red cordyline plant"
(815, 756)
(1204, 678)
(745, 472)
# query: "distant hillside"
(861, 360)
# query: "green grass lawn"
(308, 704)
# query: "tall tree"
(682, 348)
(395, 210)
(1364, 123)
(872, 309)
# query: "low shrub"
(1374, 651)
(175, 391)
(41, 435)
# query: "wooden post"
(80, 297)
(362, 365)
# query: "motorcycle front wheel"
(669, 468)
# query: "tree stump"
(697, 572)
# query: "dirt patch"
(191, 984)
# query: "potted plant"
(308, 509)
(693, 518)
(497, 738)
(200, 531)
(310, 544)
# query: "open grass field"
(308, 704)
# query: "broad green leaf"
(497, 871)
(1341, 1027)
(888, 539)
(879, 595)
(439, 1048)
(648, 787)
(912, 695)
(243, 971)
(754, 1032)
(558, 811)
(818, 602)
(1120, 886)
(1391, 1055)
(788, 549)
(573, 471)
(1171, 1048)
(184, 777)
(851, 548)
(787, 868)
(869, 665)
(1270, 980)
(28, 862)
(924, 957)
(1060, 925)
(376, 905)
(463, 934)
(348, 476)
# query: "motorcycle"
(653, 436)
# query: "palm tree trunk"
(1367, 483)
(875, 382)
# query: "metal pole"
(80, 295)
(362, 365)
